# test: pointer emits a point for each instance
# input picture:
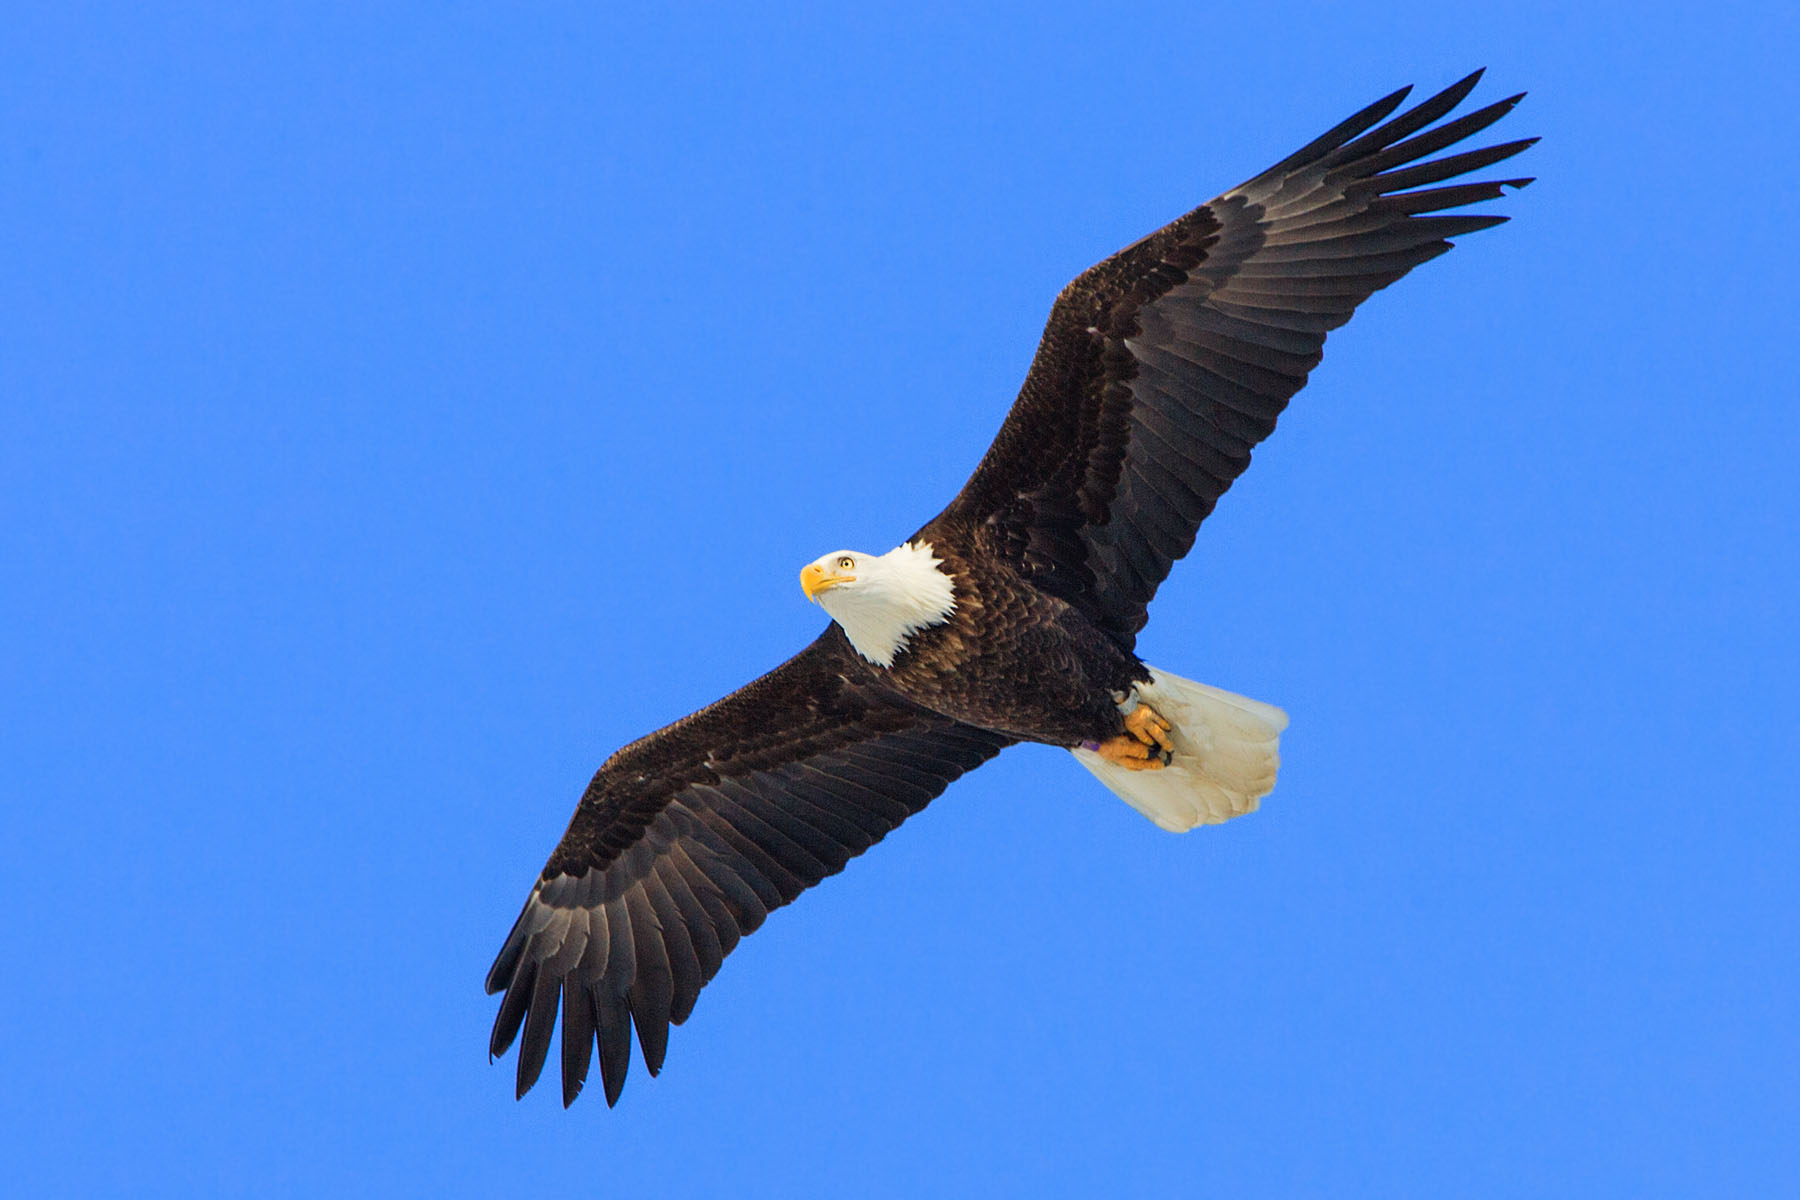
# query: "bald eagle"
(1011, 616)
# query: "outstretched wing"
(687, 839)
(1161, 367)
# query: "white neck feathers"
(896, 595)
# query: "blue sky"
(405, 405)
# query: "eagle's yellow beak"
(814, 579)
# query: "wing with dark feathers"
(688, 838)
(1161, 367)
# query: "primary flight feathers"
(1011, 616)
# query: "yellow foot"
(1148, 727)
(1126, 751)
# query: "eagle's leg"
(1148, 727)
(1126, 751)
(1144, 746)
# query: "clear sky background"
(402, 406)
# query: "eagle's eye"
(846, 563)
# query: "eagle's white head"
(881, 600)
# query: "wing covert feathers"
(685, 841)
(1161, 368)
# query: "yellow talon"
(1127, 751)
(1148, 727)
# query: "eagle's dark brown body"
(1012, 658)
(1158, 371)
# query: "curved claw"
(1150, 728)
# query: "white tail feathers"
(1225, 757)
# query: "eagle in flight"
(1009, 617)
